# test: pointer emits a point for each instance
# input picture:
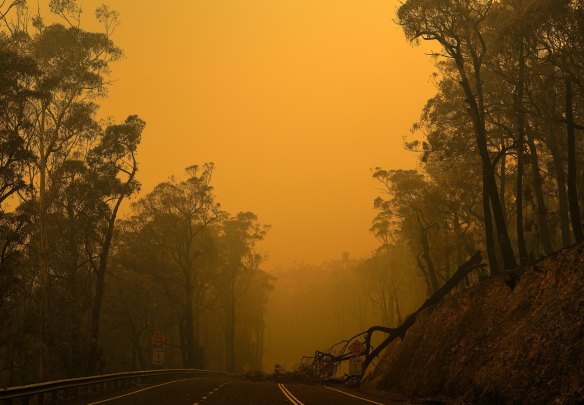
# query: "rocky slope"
(507, 340)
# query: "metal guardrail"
(64, 391)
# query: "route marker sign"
(357, 348)
(356, 366)
(158, 356)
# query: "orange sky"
(293, 100)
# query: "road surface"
(236, 391)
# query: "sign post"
(158, 340)
(158, 356)
(357, 349)
(356, 366)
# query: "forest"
(509, 84)
(500, 157)
(498, 144)
(83, 286)
(82, 290)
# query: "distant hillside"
(507, 340)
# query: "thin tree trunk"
(519, 202)
(572, 189)
(426, 254)
(43, 250)
(560, 176)
(520, 158)
(388, 314)
(425, 274)
(542, 219)
(397, 308)
(477, 112)
(502, 180)
(93, 356)
(491, 251)
(189, 332)
(231, 329)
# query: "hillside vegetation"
(512, 338)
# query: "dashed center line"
(211, 393)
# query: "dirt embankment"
(503, 341)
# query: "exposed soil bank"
(503, 341)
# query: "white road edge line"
(289, 395)
(135, 392)
(354, 396)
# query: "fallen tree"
(324, 364)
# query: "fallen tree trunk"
(324, 364)
(400, 331)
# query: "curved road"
(228, 390)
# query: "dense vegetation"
(80, 291)
(500, 157)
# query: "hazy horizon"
(294, 103)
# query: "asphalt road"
(233, 391)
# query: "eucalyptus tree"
(561, 39)
(173, 222)
(240, 262)
(70, 174)
(15, 71)
(73, 67)
(87, 191)
(412, 203)
(113, 175)
(458, 26)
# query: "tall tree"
(114, 167)
(457, 25)
(74, 66)
(173, 223)
(239, 238)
